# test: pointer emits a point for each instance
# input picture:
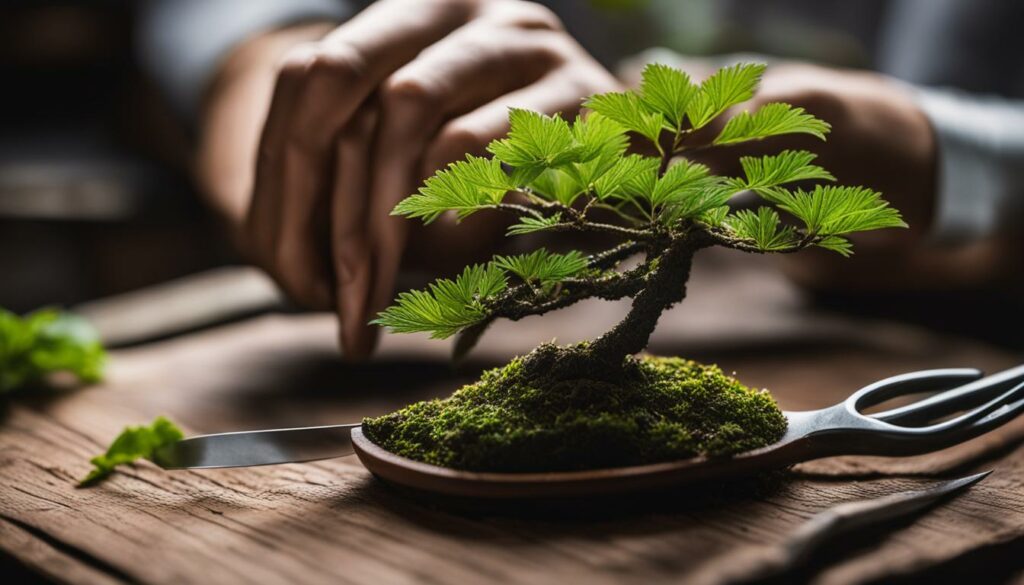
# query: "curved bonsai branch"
(578, 222)
(664, 287)
(609, 258)
(726, 241)
(525, 300)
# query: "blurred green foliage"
(44, 342)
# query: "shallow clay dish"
(838, 430)
(453, 482)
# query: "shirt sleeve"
(981, 163)
(181, 43)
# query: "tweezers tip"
(970, 480)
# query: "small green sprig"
(555, 176)
(44, 342)
(134, 443)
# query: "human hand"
(361, 116)
(880, 139)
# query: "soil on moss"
(661, 409)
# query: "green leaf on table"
(836, 210)
(667, 91)
(771, 120)
(763, 227)
(45, 342)
(447, 306)
(723, 89)
(627, 109)
(134, 443)
(464, 187)
(542, 266)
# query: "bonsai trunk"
(604, 357)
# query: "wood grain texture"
(331, 522)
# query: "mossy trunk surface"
(603, 358)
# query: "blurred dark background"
(94, 197)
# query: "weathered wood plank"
(35, 553)
(330, 522)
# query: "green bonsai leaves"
(555, 176)
(44, 342)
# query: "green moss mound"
(664, 409)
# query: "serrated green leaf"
(681, 175)
(667, 91)
(700, 197)
(557, 185)
(464, 187)
(134, 443)
(771, 120)
(631, 176)
(44, 342)
(627, 109)
(598, 135)
(523, 176)
(837, 244)
(447, 306)
(723, 89)
(715, 216)
(837, 210)
(535, 139)
(602, 142)
(529, 225)
(542, 266)
(763, 227)
(765, 172)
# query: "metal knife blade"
(264, 447)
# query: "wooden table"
(332, 522)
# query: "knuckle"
(296, 62)
(405, 91)
(306, 62)
(556, 48)
(528, 15)
(412, 103)
(453, 142)
(821, 102)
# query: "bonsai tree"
(553, 176)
